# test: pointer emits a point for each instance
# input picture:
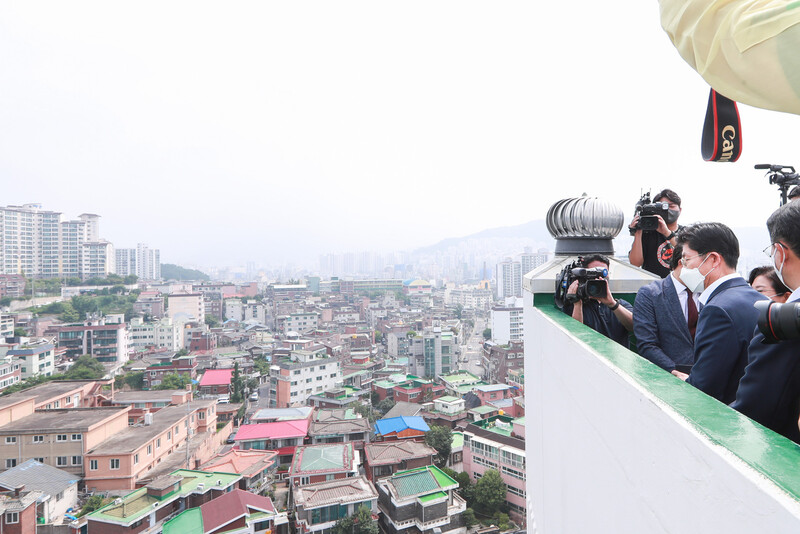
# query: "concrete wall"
(614, 444)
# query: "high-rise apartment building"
(38, 244)
(530, 260)
(509, 279)
(143, 261)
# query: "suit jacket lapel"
(673, 303)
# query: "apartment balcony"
(616, 444)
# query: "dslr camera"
(778, 321)
(647, 212)
(591, 283)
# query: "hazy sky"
(268, 131)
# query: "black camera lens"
(597, 289)
(777, 321)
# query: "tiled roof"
(493, 387)
(282, 414)
(37, 476)
(392, 452)
(276, 430)
(341, 427)
(321, 458)
(245, 463)
(398, 424)
(403, 408)
(227, 507)
(342, 491)
(420, 481)
(217, 377)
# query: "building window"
(158, 443)
(93, 465)
(61, 461)
(77, 460)
(114, 463)
(149, 449)
(40, 460)
(77, 437)
(11, 462)
(11, 439)
(12, 517)
(201, 415)
(38, 439)
(135, 459)
(61, 437)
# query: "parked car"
(223, 399)
(254, 397)
(231, 438)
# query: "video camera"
(781, 175)
(591, 283)
(648, 212)
(778, 321)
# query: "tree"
(211, 321)
(459, 310)
(174, 381)
(441, 439)
(374, 398)
(134, 379)
(69, 314)
(85, 368)
(359, 523)
(469, 518)
(236, 382)
(385, 405)
(20, 332)
(490, 491)
(130, 279)
(364, 411)
(378, 336)
(501, 520)
(487, 334)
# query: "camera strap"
(722, 130)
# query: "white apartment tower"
(530, 260)
(143, 261)
(509, 279)
(38, 244)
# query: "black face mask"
(672, 216)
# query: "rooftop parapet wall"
(615, 444)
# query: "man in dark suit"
(769, 391)
(727, 317)
(665, 319)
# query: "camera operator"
(794, 193)
(652, 249)
(770, 388)
(727, 317)
(665, 320)
(611, 317)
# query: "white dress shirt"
(683, 296)
(705, 295)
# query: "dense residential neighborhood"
(159, 405)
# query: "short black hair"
(677, 254)
(784, 226)
(669, 194)
(712, 237)
(794, 192)
(596, 257)
(772, 275)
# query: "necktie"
(692, 315)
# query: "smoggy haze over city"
(276, 133)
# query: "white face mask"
(779, 270)
(694, 279)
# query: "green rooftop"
(421, 481)
(187, 522)
(138, 503)
(448, 398)
(457, 379)
(499, 424)
(433, 496)
(483, 410)
(458, 440)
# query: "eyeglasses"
(770, 250)
(685, 259)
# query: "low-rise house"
(35, 358)
(318, 463)
(407, 409)
(142, 402)
(420, 500)
(127, 457)
(235, 512)
(387, 458)
(319, 506)
(183, 365)
(59, 489)
(339, 426)
(18, 511)
(272, 415)
(338, 397)
(400, 428)
(446, 411)
(216, 382)
(256, 467)
(282, 436)
(61, 437)
(460, 383)
(146, 507)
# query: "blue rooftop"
(398, 424)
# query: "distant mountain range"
(752, 240)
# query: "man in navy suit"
(665, 319)
(769, 391)
(727, 317)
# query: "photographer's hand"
(634, 224)
(663, 229)
(622, 313)
(577, 308)
(682, 376)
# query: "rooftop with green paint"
(421, 482)
(312, 459)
